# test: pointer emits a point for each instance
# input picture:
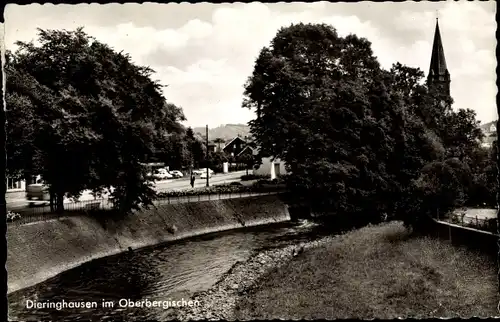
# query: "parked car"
(149, 177)
(176, 173)
(201, 171)
(38, 191)
(162, 174)
(204, 175)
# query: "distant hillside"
(225, 132)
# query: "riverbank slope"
(41, 250)
(374, 272)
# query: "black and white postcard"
(251, 161)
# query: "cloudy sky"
(205, 52)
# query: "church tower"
(438, 72)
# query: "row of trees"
(359, 139)
(86, 117)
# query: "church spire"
(438, 71)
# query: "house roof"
(246, 148)
(232, 140)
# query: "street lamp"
(206, 158)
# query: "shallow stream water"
(167, 272)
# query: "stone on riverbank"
(219, 302)
(375, 271)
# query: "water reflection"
(164, 272)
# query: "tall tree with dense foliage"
(484, 170)
(248, 159)
(101, 119)
(357, 139)
(318, 99)
(196, 147)
(25, 97)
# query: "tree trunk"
(52, 201)
(60, 203)
(28, 177)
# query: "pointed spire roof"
(438, 62)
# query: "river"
(171, 271)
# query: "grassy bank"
(376, 272)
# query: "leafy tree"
(432, 107)
(462, 135)
(24, 97)
(219, 141)
(248, 159)
(313, 92)
(405, 81)
(415, 143)
(197, 148)
(101, 121)
(357, 139)
(215, 160)
(484, 183)
(441, 187)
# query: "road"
(17, 201)
(183, 183)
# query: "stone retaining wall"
(41, 250)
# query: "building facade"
(490, 134)
(14, 185)
(234, 146)
(270, 167)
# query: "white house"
(490, 134)
(273, 168)
(270, 167)
(14, 185)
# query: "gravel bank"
(219, 301)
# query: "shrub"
(12, 216)
(219, 189)
(278, 180)
(455, 219)
(264, 181)
(492, 225)
(248, 177)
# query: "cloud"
(206, 52)
(196, 29)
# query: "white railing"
(44, 213)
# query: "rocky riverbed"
(218, 302)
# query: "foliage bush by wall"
(12, 216)
(248, 177)
(223, 189)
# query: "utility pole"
(206, 158)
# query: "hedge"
(222, 189)
(247, 177)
